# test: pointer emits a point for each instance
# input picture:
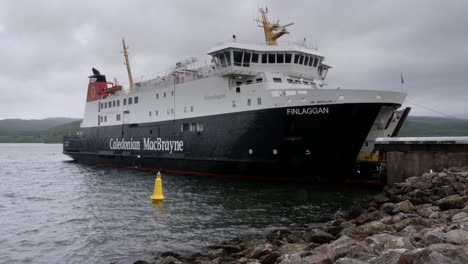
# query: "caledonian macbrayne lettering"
(155, 145)
(307, 111)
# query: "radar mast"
(273, 31)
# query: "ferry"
(255, 111)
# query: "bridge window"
(237, 58)
(311, 60)
(306, 61)
(315, 62)
(280, 58)
(325, 70)
(247, 56)
(228, 57)
(264, 58)
(216, 60)
(296, 58)
(255, 58)
(222, 59)
(277, 80)
(130, 100)
(301, 59)
(287, 58)
(125, 101)
(272, 58)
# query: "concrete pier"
(412, 156)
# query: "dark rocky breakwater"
(422, 220)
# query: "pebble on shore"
(421, 220)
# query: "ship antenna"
(270, 35)
(127, 63)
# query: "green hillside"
(50, 130)
(425, 126)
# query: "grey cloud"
(47, 48)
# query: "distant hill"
(33, 124)
(49, 130)
(425, 126)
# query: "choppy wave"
(54, 210)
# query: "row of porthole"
(275, 152)
(341, 98)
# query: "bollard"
(158, 192)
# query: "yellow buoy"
(158, 192)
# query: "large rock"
(406, 206)
(460, 217)
(291, 259)
(399, 242)
(419, 183)
(429, 211)
(321, 255)
(381, 198)
(387, 257)
(269, 258)
(215, 253)
(457, 237)
(169, 260)
(373, 228)
(368, 217)
(349, 261)
(318, 236)
(437, 253)
(378, 241)
(451, 202)
(389, 208)
(261, 250)
(290, 248)
(434, 237)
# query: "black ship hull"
(313, 143)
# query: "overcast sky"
(47, 48)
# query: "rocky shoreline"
(422, 220)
